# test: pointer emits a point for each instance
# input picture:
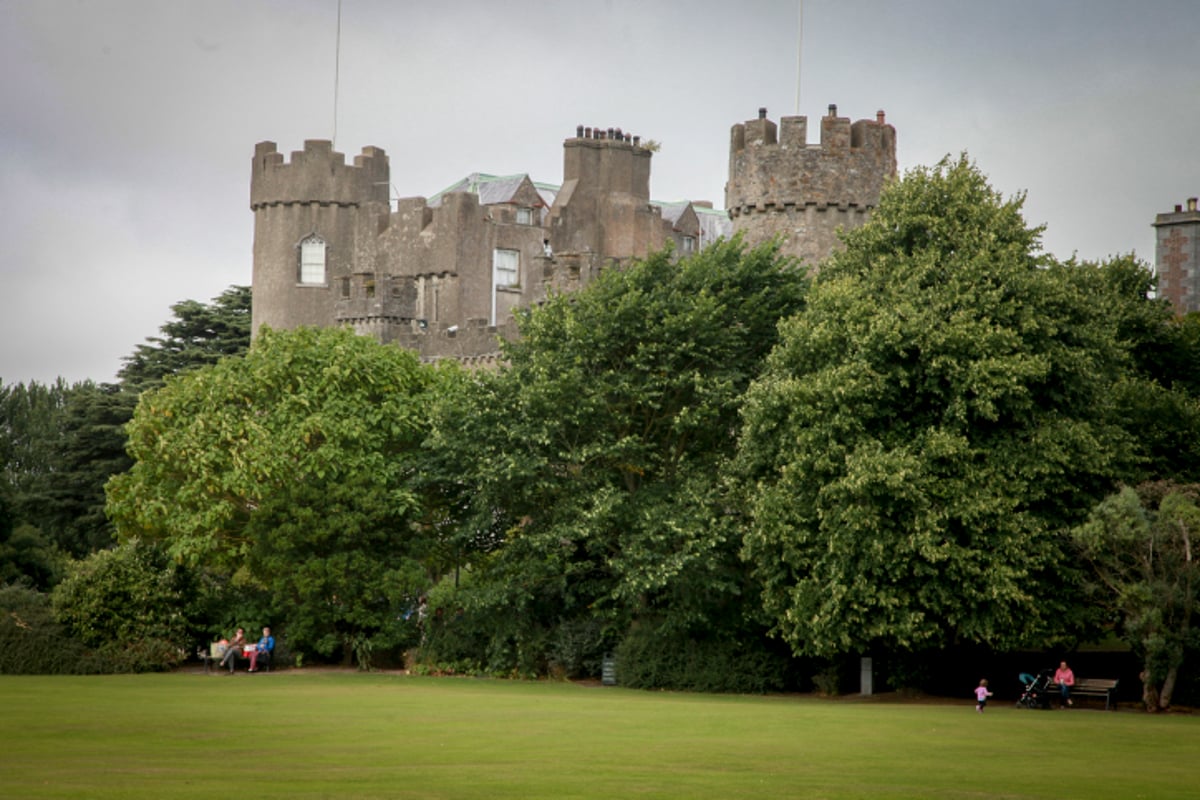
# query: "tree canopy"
(290, 468)
(59, 443)
(1142, 548)
(927, 430)
(595, 456)
(198, 334)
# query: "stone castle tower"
(781, 185)
(1177, 257)
(310, 217)
(444, 275)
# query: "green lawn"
(303, 734)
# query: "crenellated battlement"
(779, 184)
(774, 166)
(317, 174)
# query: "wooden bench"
(1093, 687)
(212, 662)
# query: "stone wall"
(781, 185)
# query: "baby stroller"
(1036, 693)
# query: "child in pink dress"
(981, 695)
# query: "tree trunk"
(1168, 688)
(1149, 692)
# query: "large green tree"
(31, 421)
(93, 439)
(197, 335)
(1143, 549)
(90, 449)
(594, 457)
(1157, 400)
(60, 443)
(291, 468)
(928, 429)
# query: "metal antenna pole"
(337, 62)
(799, 42)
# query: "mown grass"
(302, 734)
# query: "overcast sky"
(127, 126)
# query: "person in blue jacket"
(265, 649)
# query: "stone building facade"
(1177, 257)
(443, 275)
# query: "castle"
(443, 275)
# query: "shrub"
(129, 604)
(576, 648)
(649, 658)
(32, 642)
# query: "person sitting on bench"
(266, 646)
(234, 650)
(1065, 679)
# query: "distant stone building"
(443, 275)
(1177, 257)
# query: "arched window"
(312, 260)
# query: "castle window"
(506, 273)
(506, 267)
(312, 260)
(524, 216)
(345, 287)
(689, 244)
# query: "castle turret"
(1177, 257)
(315, 220)
(779, 185)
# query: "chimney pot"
(587, 133)
(578, 131)
(880, 117)
(833, 109)
(1191, 204)
(762, 113)
(636, 140)
(1178, 208)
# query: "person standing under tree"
(1065, 680)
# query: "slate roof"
(493, 189)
